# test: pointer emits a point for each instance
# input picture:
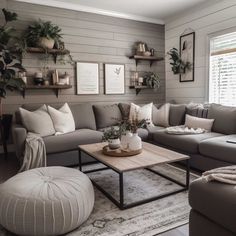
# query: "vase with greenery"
(178, 65)
(152, 80)
(43, 34)
(112, 136)
(9, 64)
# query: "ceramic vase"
(114, 143)
(125, 139)
(135, 142)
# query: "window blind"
(222, 82)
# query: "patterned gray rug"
(148, 219)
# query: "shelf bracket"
(138, 90)
(23, 93)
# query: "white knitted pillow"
(38, 121)
(63, 119)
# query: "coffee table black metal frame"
(120, 203)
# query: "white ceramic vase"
(114, 143)
(46, 43)
(135, 142)
(125, 139)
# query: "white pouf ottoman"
(46, 201)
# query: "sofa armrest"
(19, 134)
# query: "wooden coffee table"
(151, 155)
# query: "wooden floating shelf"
(56, 88)
(151, 59)
(139, 88)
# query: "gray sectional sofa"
(207, 150)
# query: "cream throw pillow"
(160, 116)
(196, 122)
(38, 121)
(144, 112)
(63, 119)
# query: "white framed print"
(114, 78)
(87, 78)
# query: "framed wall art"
(187, 54)
(87, 78)
(114, 78)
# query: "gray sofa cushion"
(83, 116)
(152, 130)
(225, 118)
(70, 141)
(124, 108)
(177, 114)
(216, 201)
(107, 115)
(184, 143)
(219, 149)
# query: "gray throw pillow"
(38, 121)
(124, 108)
(177, 114)
(225, 118)
(107, 115)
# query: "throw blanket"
(183, 130)
(35, 153)
(224, 174)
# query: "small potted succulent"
(43, 34)
(152, 80)
(112, 136)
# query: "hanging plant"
(178, 65)
(152, 80)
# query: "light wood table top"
(150, 156)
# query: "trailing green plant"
(41, 29)
(152, 80)
(178, 65)
(9, 64)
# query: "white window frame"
(208, 54)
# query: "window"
(222, 82)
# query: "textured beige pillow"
(160, 116)
(144, 112)
(63, 119)
(196, 122)
(38, 121)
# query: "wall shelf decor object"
(139, 88)
(151, 59)
(87, 78)
(187, 54)
(114, 78)
(56, 88)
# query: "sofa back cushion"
(125, 109)
(83, 116)
(107, 115)
(225, 118)
(177, 114)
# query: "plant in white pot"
(112, 136)
(43, 34)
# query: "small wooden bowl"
(119, 152)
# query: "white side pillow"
(161, 116)
(144, 112)
(63, 119)
(38, 121)
(196, 122)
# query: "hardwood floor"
(10, 167)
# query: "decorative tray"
(119, 152)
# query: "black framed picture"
(187, 54)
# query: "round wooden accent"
(119, 152)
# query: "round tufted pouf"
(46, 201)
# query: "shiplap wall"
(205, 21)
(93, 38)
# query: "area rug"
(149, 219)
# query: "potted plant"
(178, 65)
(152, 80)
(43, 34)
(9, 66)
(112, 136)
